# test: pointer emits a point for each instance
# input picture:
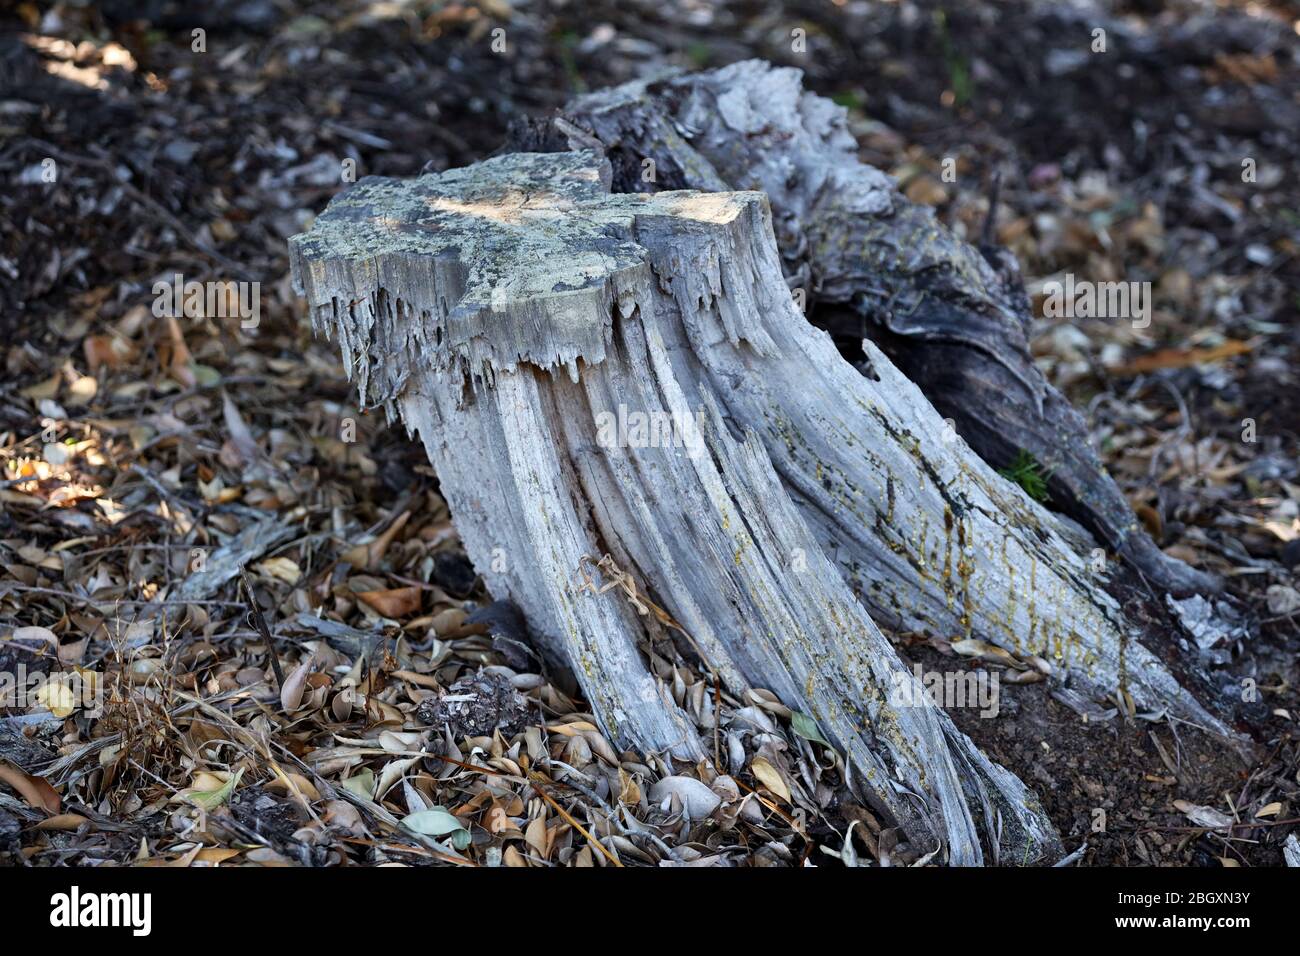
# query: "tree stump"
(640, 436)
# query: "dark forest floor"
(133, 449)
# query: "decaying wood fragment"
(224, 563)
(956, 316)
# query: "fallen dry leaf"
(1181, 357)
(366, 556)
(770, 777)
(109, 351)
(394, 602)
(1204, 816)
(295, 685)
(35, 790)
(64, 821)
(181, 365)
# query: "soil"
(1079, 767)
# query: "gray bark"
(508, 311)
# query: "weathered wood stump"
(600, 374)
(957, 315)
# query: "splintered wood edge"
(522, 258)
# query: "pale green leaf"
(807, 728)
(362, 785)
(211, 799)
(438, 822)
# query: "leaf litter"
(357, 695)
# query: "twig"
(259, 623)
(1070, 858)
